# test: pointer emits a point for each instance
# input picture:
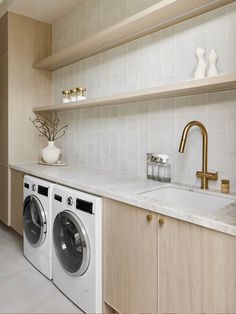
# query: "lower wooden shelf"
(191, 87)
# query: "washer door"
(71, 243)
(34, 219)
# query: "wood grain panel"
(197, 272)
(107, 309)
(161, 15)
(28, 40)
(130, 259)
(191, 87)
(4, 216)
(4, 109)
(3, 34)
(23, 41)
(17, 201)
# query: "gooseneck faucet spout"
(204, 175)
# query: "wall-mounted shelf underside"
(159, 16)
(191, 87)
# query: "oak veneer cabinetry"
(4, 194)
(130, 258)
(4, 119)
(175, 267)
(28, 40)
(17, 201)
(22, 41)
(197, 272)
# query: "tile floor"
(22, 288)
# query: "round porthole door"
(34, 220)
(71, 243)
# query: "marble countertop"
(129, 190)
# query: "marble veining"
(128, 190)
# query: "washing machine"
(37, 233)
(77, 247)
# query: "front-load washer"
(77, 247)
(37, 234)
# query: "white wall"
(118, 137)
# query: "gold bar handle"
(208, 175)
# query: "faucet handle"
(208, 175)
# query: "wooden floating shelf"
(191, 87)
(157, 17)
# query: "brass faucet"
(204, 175)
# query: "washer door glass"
(71, 243)
(34, 219)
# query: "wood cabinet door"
(17, 201)
(4, 109)
(4, 34)
(4, 215)
(197, 269)
(130, 258)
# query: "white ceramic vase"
(51, 153)
(200, 71)
(212, 60)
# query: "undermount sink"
(186, 198)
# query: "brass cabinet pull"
(161, 221)
(149, 218)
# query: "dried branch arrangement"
(49, 128)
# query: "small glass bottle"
(164, 169)
(149, 165)
(73, 94)
(66, 96)
(155, 168)
(80, 93)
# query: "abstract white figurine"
(200, 71)
(212, 59)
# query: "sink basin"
(187, 198)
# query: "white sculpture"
(200, 71)
(212, 60)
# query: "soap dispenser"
(149, 165)
(156, 162)
(164, 169)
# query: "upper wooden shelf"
(191, 87)
(161, 15)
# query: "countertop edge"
(134, 201)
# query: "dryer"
(37, 233)
(77, 247)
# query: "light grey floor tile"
(23, 289)
(56, 303)
(7, 236)
(12, 259)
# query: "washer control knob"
(34, 187)
(70, 201)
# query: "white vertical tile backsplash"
(117, 137)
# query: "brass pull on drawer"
(161, 221)
(149, 217)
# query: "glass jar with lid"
(66, 96)
(149, 165)
(155, 169)
(80, 93)
(73, 94)
(164, 169)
